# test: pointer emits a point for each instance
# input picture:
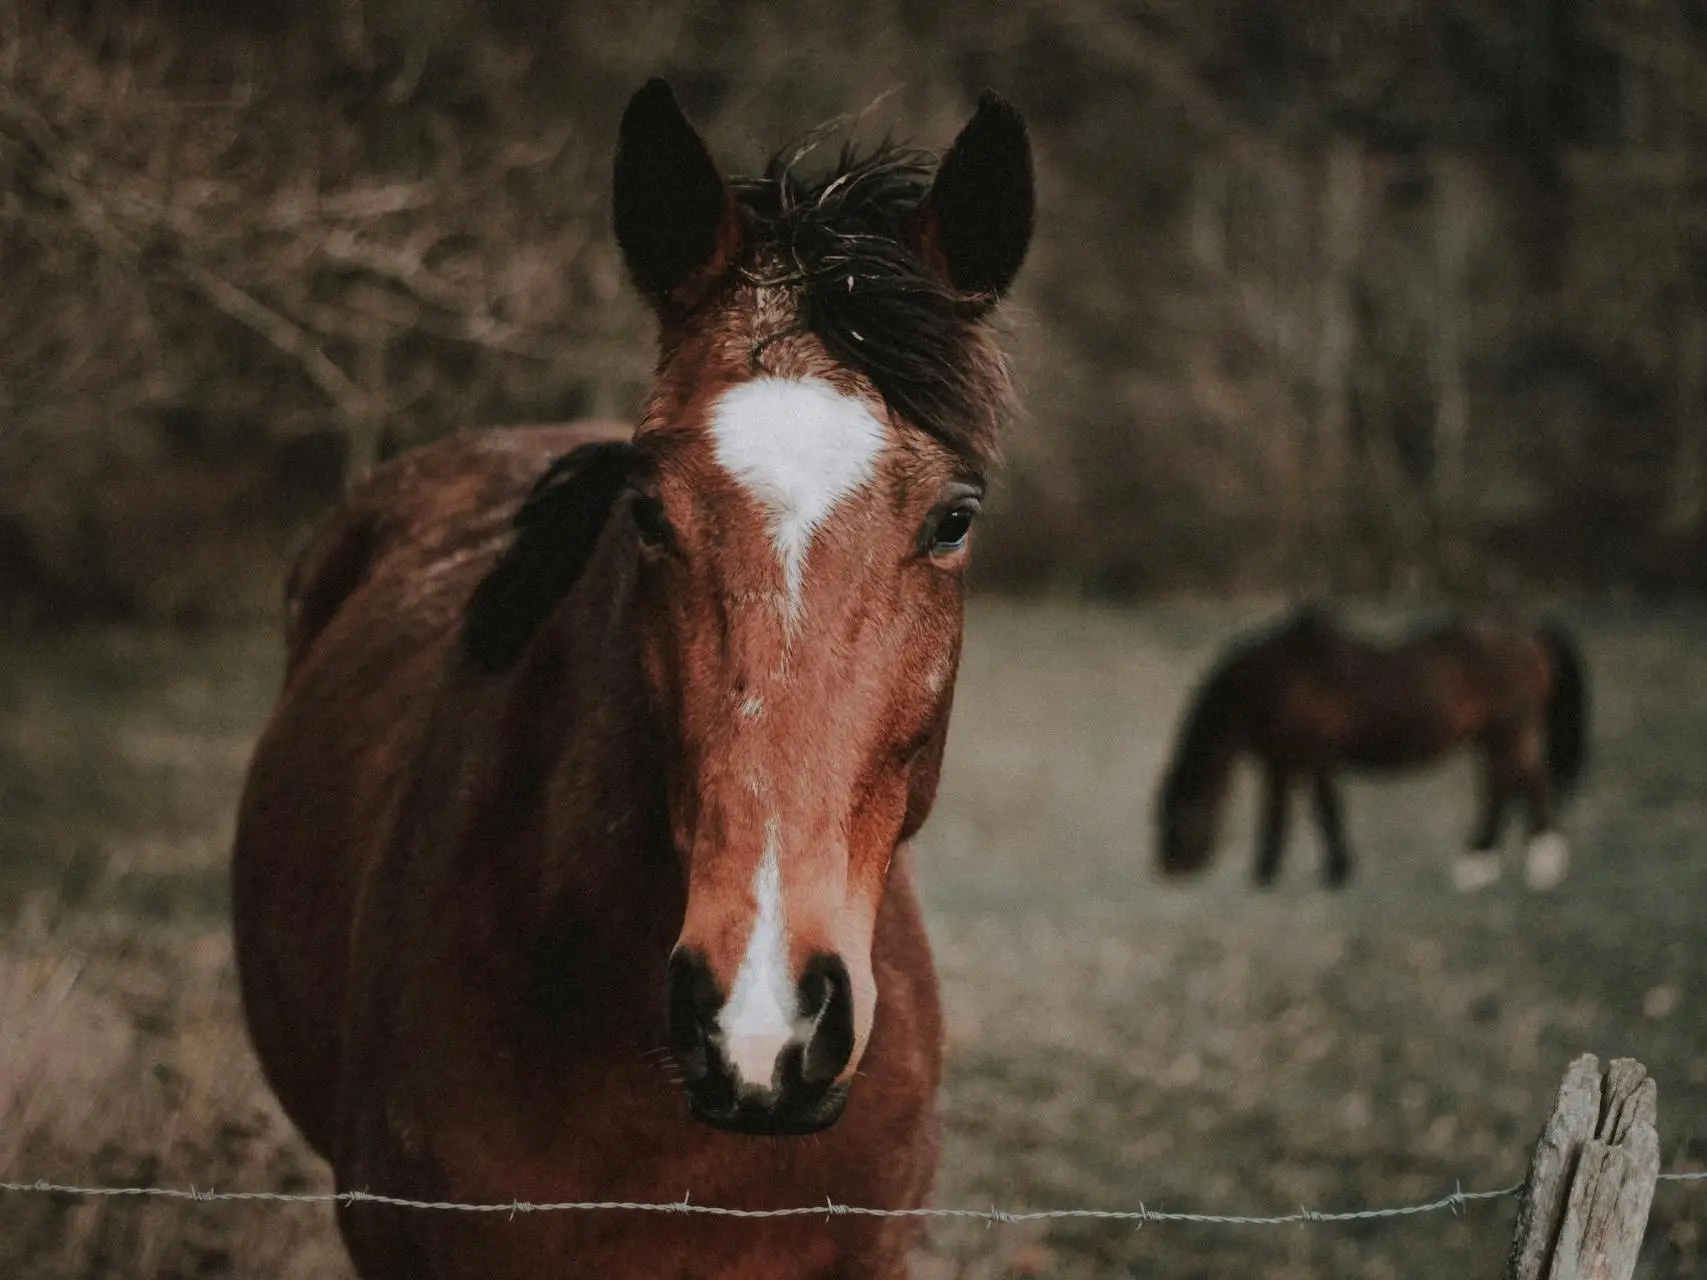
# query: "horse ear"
(975, 225)
(557, 530)
(676, 220)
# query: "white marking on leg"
(1546, 859)
(758, 1019)
(798, 446)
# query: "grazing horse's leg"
(1480, 867)
(1496, 793)
(1546, 855)
(1331, 819)
(1271, 839)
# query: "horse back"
(1322, 696)
(373, 606)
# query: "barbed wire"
(1456, 1201)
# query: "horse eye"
(952, 527)
(649, 521)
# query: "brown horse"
(596, 752)
(1306, 700)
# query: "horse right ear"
(974, 227)
(676, 219)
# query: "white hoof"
(1473, 872)
(1546, 861)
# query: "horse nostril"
(693, 999)
(826, 997)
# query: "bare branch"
(93, 216)
(276, 329)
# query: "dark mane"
(557, 530)
(840, 242)
(1206, 741)
(1212, 731)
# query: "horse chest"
(573, 1246)
(605, 1147)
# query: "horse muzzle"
(761, 1073)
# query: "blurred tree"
(1345, 294)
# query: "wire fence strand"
(1456, 1201)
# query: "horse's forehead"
(770, 309)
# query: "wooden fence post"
(1591, 1179)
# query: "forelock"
(837, 246)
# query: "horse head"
(801, 490)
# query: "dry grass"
(123, 1059)
(1111, 1041)
(134, 1069)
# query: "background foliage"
(1357, 295)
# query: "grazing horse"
(1307, 699)
(572, 863)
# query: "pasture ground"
(1112, 1040)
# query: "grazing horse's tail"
(1567, 712)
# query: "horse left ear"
(974, 227)
(675, 217)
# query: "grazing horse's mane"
(840, 242)
(1207, 741)
(1204, 750)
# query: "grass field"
(1112, 1040)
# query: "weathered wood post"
(1591, 1179)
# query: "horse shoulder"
(374, 600)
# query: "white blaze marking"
(752, 707)
(798, 446)
(757, 1021)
